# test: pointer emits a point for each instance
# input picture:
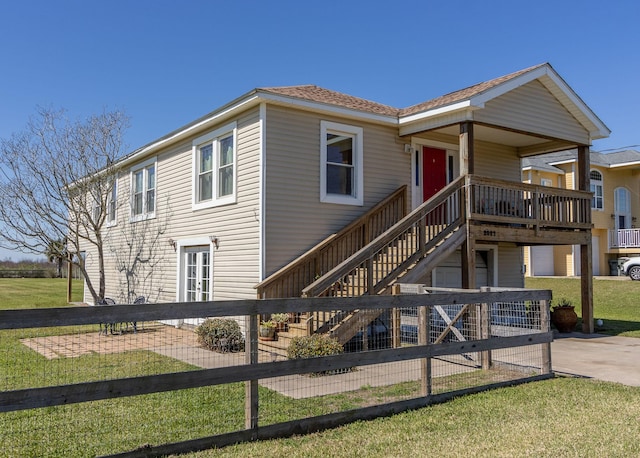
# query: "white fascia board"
(599, 130)
(328, 108)
(541, 169)
(509, 86)
(625, 164)
(191, 129)
(464, 105)
(566, 161)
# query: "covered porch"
(486, 130)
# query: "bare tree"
(57, 252)
(138, 252)
(56, 179)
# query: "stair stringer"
(357, 320)
(431, 261)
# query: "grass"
(614, 301)
(561, 417)
(21, 293)
(556, 418)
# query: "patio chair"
(108, 327)
(139, 300)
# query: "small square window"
(341, 168)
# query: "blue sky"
(167, 63)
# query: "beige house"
(615, 207)
(290, 191)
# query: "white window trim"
(143, 166)
(618, 211)
(212, 136)
(358, 164)
(601, 184)
(114, 192)
(416, 165)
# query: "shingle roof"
(464, 94)
(321, 95)
(595, 158)
(537, 163)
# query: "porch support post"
(466, 148)
(468, 254)
(586, 268)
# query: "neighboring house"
(230, 204)
(615, 207)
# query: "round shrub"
(221, 335)
(315, 345)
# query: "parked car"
(632, 268)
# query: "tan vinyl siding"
(532, 108)
(294, 216)
(497, 161)
(236, 263)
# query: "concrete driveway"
(608, 358)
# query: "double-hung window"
(143, 190)
(597, 201)
(112, 200)
(214, 167)
(341, 164)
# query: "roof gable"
(463, 94)
(323, 100)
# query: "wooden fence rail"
(253, 370)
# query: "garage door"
(541, 261)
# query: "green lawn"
(21, 293)
(561, 417)
(556, 418)
(616, 302)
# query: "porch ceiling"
(527, 144)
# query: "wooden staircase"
(409, 248)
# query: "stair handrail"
(398, 196)
(321, 285)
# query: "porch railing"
(500, 201)
(624, 238)
(291, 279)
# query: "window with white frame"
(597, 201)
(143, 190)
(112, 200)
(622, 205)
(341, 164)
(214, 167)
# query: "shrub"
(221, 335)
(315, 345)
(280, 317)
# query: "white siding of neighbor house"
(295, 219)
(532, 108)
(236, 263)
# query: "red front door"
(434, 171)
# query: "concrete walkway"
(608, 358)
(598, 356)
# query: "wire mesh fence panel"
(37, 358)
(161, 377)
